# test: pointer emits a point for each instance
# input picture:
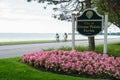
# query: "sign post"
(73, 31)
(90, 23)
(105, 33)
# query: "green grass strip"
(32, 42)
(26, 42)
(113, 49)
(12, 69)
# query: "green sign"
(89, 23)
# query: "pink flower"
(72, 61)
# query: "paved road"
(18, 50)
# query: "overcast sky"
(19, 16)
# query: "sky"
(19, 16)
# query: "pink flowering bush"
(73, 62)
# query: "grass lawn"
(12, 69)
(26, 42)
(113, 49)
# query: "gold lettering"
(95, 27)
(87, 23)
(92, 23)
(83, 26)
(86, 30)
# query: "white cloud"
(20, 16)
(38, 26)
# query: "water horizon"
(9, 37)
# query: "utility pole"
(90, 39)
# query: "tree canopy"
(112, 7)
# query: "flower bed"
(73, 62)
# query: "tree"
(67, 7)
(111, 6)
(90, 39)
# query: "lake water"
(42, 36)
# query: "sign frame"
(90, 20)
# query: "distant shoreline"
(33, 42)
(25, 42)
(40, 41)
(16, 37)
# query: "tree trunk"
(91, 43)
(90, 39)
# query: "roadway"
(7, 51)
